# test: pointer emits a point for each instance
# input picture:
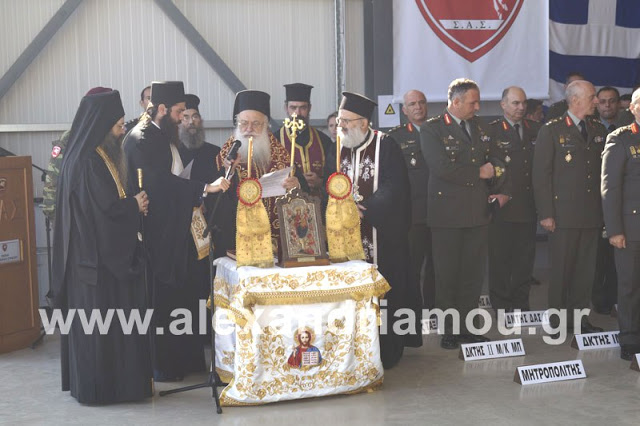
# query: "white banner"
(497, 43)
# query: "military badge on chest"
(635, 151)
(566, 143)
(451, 146)
(506, 147)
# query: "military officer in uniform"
(559, 108)
(605, 281)
(566, 182)
(456, 146)
(512, 233)
(145, 98)
(621, 207)
(408, 137)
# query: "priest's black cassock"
(378, 168)
(97, 264)
(203, 169)
(168, 237)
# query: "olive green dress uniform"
(556, 110)
(512, 232)
(457, 210)
(566, 183)
(605, 281)
(621, 207)
(624, 118)
(408, 137)
(53, 172)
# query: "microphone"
(232, 155)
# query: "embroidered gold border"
(113, 170)
(304, 151)
(237, 317)
(226, 401)
(376, 289)
(224, 375)
(198, 225)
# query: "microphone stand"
(213, 381)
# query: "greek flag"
(599, 38)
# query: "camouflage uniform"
(53, 170)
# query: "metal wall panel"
(354, 45)
(125, 44)
(20, 22)
(271, 43)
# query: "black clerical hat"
(167, 93)
(357, 104)
(298, 92)
(252, 99)
(192, 101)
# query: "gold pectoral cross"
(293, 125)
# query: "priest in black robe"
(199, 157)
(97, 264)
(314, 153)
(152, 146)
(376, 166)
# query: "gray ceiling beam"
(35, 47)
(201, 45)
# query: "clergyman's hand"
(143, 202)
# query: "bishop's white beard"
(351, 140)
(261, 148)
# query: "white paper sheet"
(272, 183)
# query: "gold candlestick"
(249, 156)
(338, 150)
(293, 125)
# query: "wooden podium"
(19, 318)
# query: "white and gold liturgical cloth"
(297, 332)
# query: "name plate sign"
(607, 339)
(635, 364)
(429, 325)
(525, 318)
(487, 350)
(553, 372)
(484, 302)
(10, 251)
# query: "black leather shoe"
(472, 338)
(587, 328)
(449, 341)
(628, 351)
(159, 376)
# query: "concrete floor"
(429, 386)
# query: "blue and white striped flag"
(599, 38)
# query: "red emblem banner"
(471, 28)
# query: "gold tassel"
(253, 236)
(343, 230)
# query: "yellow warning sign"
(389, 110)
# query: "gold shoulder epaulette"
(496, 121)
(554, 121)
(434, 119)
(623, 129)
